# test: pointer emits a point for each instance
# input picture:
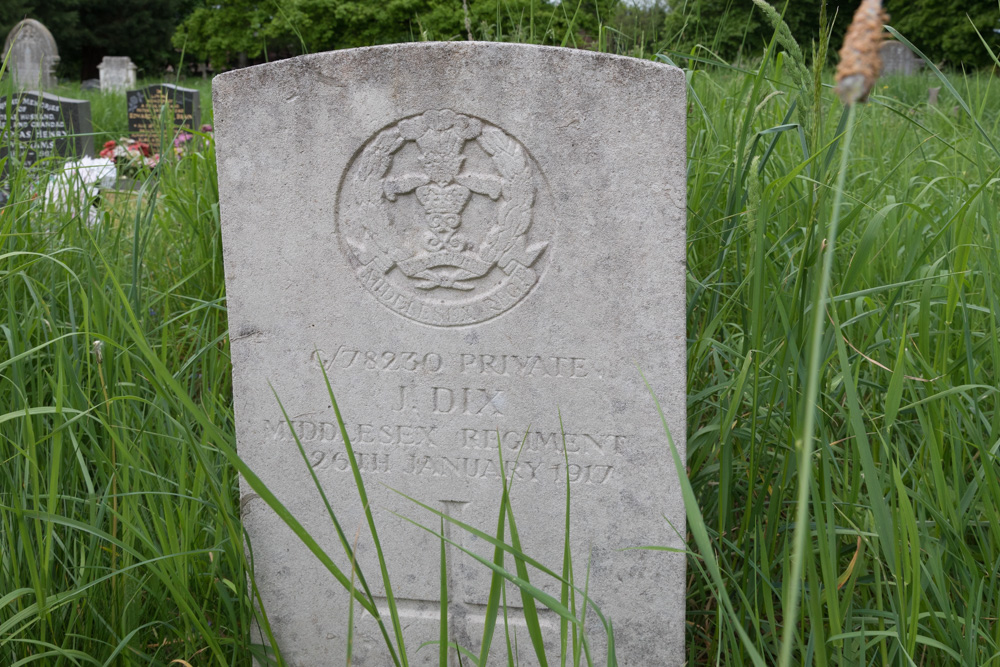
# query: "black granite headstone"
(40, 125)
(145, 106)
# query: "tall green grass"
(120, 541)
(888, 470)
(120, 535)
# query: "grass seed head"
(860, 63)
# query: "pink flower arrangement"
(187, 142)
(181, 143)
(131, 157)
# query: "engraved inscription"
(413, 435)
(445, 218)
(447, 401)
(432, 363)
(447, 417)
(428, 451)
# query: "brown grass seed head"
(860, 62)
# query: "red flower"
(109, 150)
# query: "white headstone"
(898, 59)
(475, 240)
(117, 73)
(33, 55)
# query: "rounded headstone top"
(419, 54)
(31, 29)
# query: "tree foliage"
(61, 17)
(234, 32)
(945, 30)
(949, 31)
(730, 28)
(87, 30)
(221, 30)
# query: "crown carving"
(443, 200)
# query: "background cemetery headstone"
(475, 240)
(144, 108)
(898, 59)
(117, 73)
(45, 125)
(33, 55)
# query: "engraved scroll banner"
(480, 245)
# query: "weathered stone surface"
(33, 55)
(475, 240)
(45, 125)
(144, 113)
(898, 59)
(117, 73)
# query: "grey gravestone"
(146, 104)
(33, 55)
(898, 59)
(932, 94)
(117, 73)
(45, 125)
(474, 240)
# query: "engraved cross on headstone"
(461, 607)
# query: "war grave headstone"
(117, 73)
(183, 110)
(475, 241)
(33, 55)
(898, 59)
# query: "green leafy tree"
(61, 17)
(222, 30)
(733, 27)
(87, 30)
(947, 31)
(140, 29)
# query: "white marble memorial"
(33, 56)
(474, 240)
(117, 73)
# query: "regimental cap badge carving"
(445, 218)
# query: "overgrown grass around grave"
(119, 533)
(902, 484)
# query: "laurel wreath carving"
(514, 211)
(374, 218)
(518, 194)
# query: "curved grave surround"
(474, 240)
